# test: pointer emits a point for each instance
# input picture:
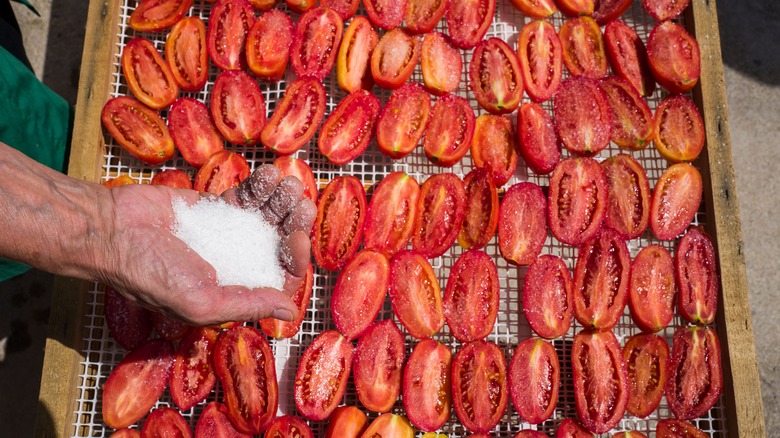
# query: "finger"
(301, 218)
(236, 303)
(283, 199)
(255, 191)
(291, 284)
(295, 253)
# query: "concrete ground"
(751, 54)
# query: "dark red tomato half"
(349, 127)
(223, 170)
(403, 120)
(415, 294)
(522, 223)
(289, 426)
(148, 75)
(679, 129)
(601, 279)
(674, 57)
(583, 116)
(571, 428)
(494, 147)
(479, 386)
(126, 433)
(353, 62)
(156, 15)
(600, 380)
(495, 76)
(394, 58)
(214, 421)
(167, 327)
(538, 9)
(534, 380)
(427, 392)
(628, 56)
(421, 16)
(138, 129)
(377, 366)
(647, 361)
(651, 288)
(441, 208)
(186, 53)
(675, 200)
(391, 213)
(540, 54)
(696, 271)
(298, 168)
(449, 131)
(441, 63)
(193, 131)
(576, 8)
(128, 323)
(628, 196)
(322, 375)
(245, 365)
(268, 45)
(609, 10)
(345, 8)
(583, 48)
(165, 422)
(193, 374)
(346, 422)
(279, 329)
(386, 14)
(359, 293)
(481, 217)
(577, 200)
(548, 300)
(136, 383)
(316, 42)
(528, 433)
(471, 298)
(632, 120)
(696, 378)
(229, 24)
(238, 107)
(537, 140)
(338, 228)
(176, 178)
(468, 21)
(390, 425)
(296, 118)
(664, 10)
(674, 428)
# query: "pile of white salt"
(241, 246)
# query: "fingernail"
(283, 314)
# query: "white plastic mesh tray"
(102, 354)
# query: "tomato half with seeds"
(481, 217)
(628, 196)
(494, 147)
(651, 289)
(674, 428)
(600, 380)
(296, 118)
(679, 129)
(316, 42)
(349, 127)
(632, 120)
(522, 223)
(193, 131)
(441, 63)
(537, 140)
(390, 425)
(279, 329)
(696, 378)
(471, 298)
(427, 393)
(479, 385)
(338, 228)
(601, 279)
(186, 54)
(238, 107)
(674, 57)
(128, 323)
(628, 56)
(138, 129)
(675, 200)
(359, 293)
(468, 21)
(346, 422)
(548, 298)
(495, 76)
(403, 120)
(534, 380)
(156, 15)
(665, 10)
(214, 421)
(386, 14)
(193, 375)
(353, 61)
(268, 45)
(576, 8)
(377, 366)
(229, 24)
(300, 6)
(298, 168)
(415, 294)
(577, 200)
(528, 433)
(609, 10)
(391, 212)
(441, 208)
(289, 426)
(223, 170)
(126, 433)
(148, 75)
(136, 383)
(345, 8)
(421, 16)
(538, 9)
(696, 271)
(121, 180)
(647, 362)
(540, 54)
(583, 48)
(450, 130)
(583, 116)
(322, 375)
(394, 58)
(164, 422)
(571, 428)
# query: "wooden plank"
(742, 393)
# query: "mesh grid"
(102, 354)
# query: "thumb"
(237, 303)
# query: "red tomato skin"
(651, 291)
(629, 434)
(303, 94)
(664, 10)
(548, 296)
(480, 219)
(138, 129)
(577, 199)
(632, 120)
(674, 57)
(316, 42)
(674, 428)
(193, 374)
(608, 10)
(676, 198)
(385, 14)
(391, 67)
(300, 169)
(317, 394)
(377, 366)
(300, 6)
(534, 380)
(353, 61)
(359, 293)
(628, 56)
(238, 107)
(450, 130)
(349, 127)
(268, 45)
(128, 323)
(427, 393)
(441, 63)
(289, 426)
(346, 422)
(145, 17)
(214, 421)
(421, 16)
(121, 180)
(679, 129)
(176, 178)
(647, 362)
(391, 214)
(537, 140)
(193, 131)
(538, 9)
(335, 242)
(165, 422)
(223, 170)
(476, 366)
(126, 433)
(583, 116)
(494, 147)
(167, 327)
(522, 223)
(415, 294)
(583, 58)
(576, 8)
(696, 378)
(279, 329)
(696, 272)
(229, 24)
(469, 20)
(571, 428)
(540, 54)
(190, 70)
(346, 9)
(628, 196)
(441, 208)
(528, 433)
(471, 298)
(495, 76)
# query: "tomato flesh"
(632, 120)
(450, 130)
(628, 56)
(534, 380)
(403, 121)
(480, 219)
(674, 57)
(647, 362)
(427, 394)
(583, 48)
(359, 293)
(353, 61)
(193, 131)
(279, 329)
(175, 178)
(468, 21)
(223, 170)
(394, 58)
(421, 16)
(522, 223)
(347, 131)
(540, 54)
(346, 422)
(289, 426)
(495, 77)
(675, 200)
(214, 421)
(583, 116)
(537, 141)
(391, 214)
(390, 425)
(665, 10)
(338, 228)
(156, 15)
(696, 271)
(494, 147)
(651, 288)
(577, 199)
(674, 428)
(628, 196)
(193, 375)
(575, 8)
(679, 129)
(318, 393)
(165, 422)
(415, 294)
(471, 298)
(186, 53)
(345, 8)
(296, 118)
(238, 107)
(268, 45)
(229, 25)
(441, 63)
(538, 9)
(609, 10)
(696, 378)
(479, 385)
(386, 14)
(138, 129)
(441, 208)
(378, 362)
(316, 42)
(571, 428)
(548, 297)
(128, 323)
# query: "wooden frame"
(744, 409)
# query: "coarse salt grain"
(238, 243)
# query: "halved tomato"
(609, 10)
(629, 434)
(229, 24)
(548, 298)
(628, 56)
(128, 323)
(349, 127)
(468, 21)
(538, 9)
(674, 428)
(651, 288)
(583, 116)
(529, 433)
(628, 196)
(193, 131)
(298, 168)
(675, 200)
(268, 45)
(534, 380)
(494, 147)
(167, 327)
(214, 421)
(583, 48)
(394, 58)
(540, 54)
(386, 14)
(449, 131)
(316, 42)
(679, 129)
(245, 365)
(126, 433)
(441, 63)
(441, 208)
(537, 140)
(148, 75)
(696, 378)
(479, 386)
(359, 293)
(262, 5)
(322, 375)
(136, 383)
(674, 57)
(391, 213)
(600, 380)
(427, 392)
(279, 329)
(495, 76)
(353, 61)
(577, 200)
(632, 120)
(421, 16)
(301, 6)
(575, 8)
(121, 180)
(338, 228)
(601, 280)
(165, 422)
(193, 374)
(345, 8)
(377, 366)
(346, 422)
(138, 129)
(390, 425)
(186, 53)
(696, 271)
(415, 294)
(156, 15)
(647, 361)
(471, 298)
(481, 217)
(176, 178)
(571, 428)
(522, 223)
(296, 118)
(223, 170)
(238, 107)
(403, 120)
(289, 426)
(664, 10)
